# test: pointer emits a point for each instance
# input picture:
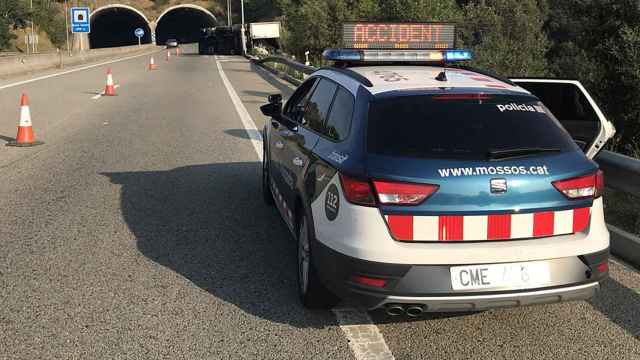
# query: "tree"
(507, 36)
(13, 15)
(598, 43)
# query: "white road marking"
(365, 340)
(73, 70)
(247, 121)
(97, 96)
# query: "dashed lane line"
(365, 340)
(74, 70)
(97, 96)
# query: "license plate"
(496, 276)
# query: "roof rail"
(350, 73)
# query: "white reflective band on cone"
(25, 116)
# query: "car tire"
(267, 196)
(313, 294)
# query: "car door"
(281, 129)
(572, 105)
(299, 144)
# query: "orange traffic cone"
(152, 64)
(168, 55)
(109, 90)
(25, 130)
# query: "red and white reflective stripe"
(487, 227)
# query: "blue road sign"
(80, 20)
(139, 32)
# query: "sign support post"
(139, 33)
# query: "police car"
(414, 183)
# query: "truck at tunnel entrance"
(224, 40)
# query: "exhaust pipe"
(415, 310)
(394, 309)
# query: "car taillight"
(599, 184)
(590, 186)
(367, 281)
(357, 191)
(394, 193)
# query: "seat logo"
(498, 186)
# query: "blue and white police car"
(414, 183)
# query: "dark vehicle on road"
(221, 40)
(413, 183)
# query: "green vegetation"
(46, 14)
(13, 15)
(595, 41)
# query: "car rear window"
(461, 126)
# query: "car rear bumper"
(490, 301)
(430, 286)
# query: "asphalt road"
(137, 231)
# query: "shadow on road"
(263, 94)
(208, 223)
(620, 304)
(7, 138)
(244, 134)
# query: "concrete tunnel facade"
(114, 25)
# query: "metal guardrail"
(621, 172)
(291, 64)
(305, 69)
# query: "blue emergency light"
(382, 55)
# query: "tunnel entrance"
(114, 25)
(183, 23)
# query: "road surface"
(138, 231)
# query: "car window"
(432, 126)
(296, 104)
(318, 105)
(339, 121)
(569, 105)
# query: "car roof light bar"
(377, 56)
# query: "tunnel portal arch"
(113, 25)
(183, 23)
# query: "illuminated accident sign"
(398, 36)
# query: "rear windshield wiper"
(499, 154)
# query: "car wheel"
(267, 196)
(313, 293)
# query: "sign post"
(80, 22)
(139, 33)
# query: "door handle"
(279, 145)
(298, 162)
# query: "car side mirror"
(275, 98)
(272, 109)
